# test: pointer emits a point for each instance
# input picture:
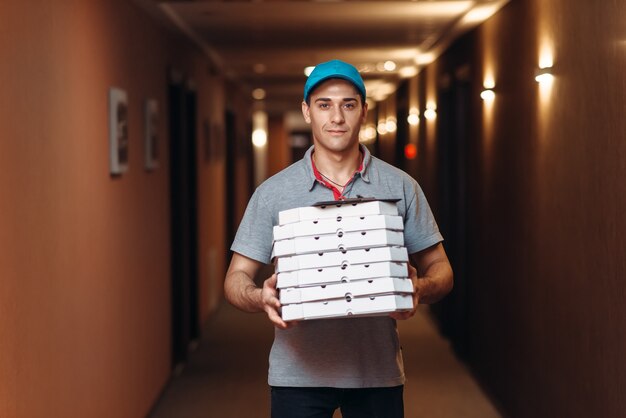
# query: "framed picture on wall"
(118, 131)
(151, 132)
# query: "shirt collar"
(363, 169)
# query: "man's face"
(335, 114)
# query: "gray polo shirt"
(346, 352)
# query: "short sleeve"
(254, 236)
(420, 228)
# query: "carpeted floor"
(226, 375)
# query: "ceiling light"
(425, 59)
(480, 13)
(407, 72)
(389, 65)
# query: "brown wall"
(546, 209)
(84, 257)
(278, 150)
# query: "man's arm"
(432, 278)
(241, 291)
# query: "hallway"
(226, 375)
(133, 133)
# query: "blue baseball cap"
(334, 69)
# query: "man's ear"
(364, 113)
(305, 112)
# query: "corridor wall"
(546, 199)
(84, 256)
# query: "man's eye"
(349, 106)
(323, 105)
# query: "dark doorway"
(230, 172)
(453, 127)
(402, 131)
(183, 211)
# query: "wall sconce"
(414, 117)
(430, 113)
(544, 75)
(381, 128)
(368, 134)
(259, 126)
(391, 124)
(488, 95)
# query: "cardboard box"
(358, 306)
(338, 242)
(371, 287)
(339, 208)
(338, 225)
(329, 275)
(341, 258)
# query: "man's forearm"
(241, 292)
(435, 284)
(435, 280)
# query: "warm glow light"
(413, 119)
(407, 72)
(489, 82)
(370, 132)
(425, 59)
(308, 70)
(258, 94)
(546, 56)
(382, 127)
(367, 134)
(544, 76)
(391, 124)
(259, 138)
(410, 151)
(488, 95)
(431, 112)
(389, 65)
(259, 129)
(480, 13)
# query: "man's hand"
(271, 304)
(435, 278)
(416, 297)
(241, 291)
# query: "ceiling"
(267, 44)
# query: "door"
(183, 222)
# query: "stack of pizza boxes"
(343, 258)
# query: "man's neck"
(338, 166)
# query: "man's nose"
(337, 115)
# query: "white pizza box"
(328, 275)
(370, 287)
(334, 209)
(338, 225)
(358, 306)
(338, 242)
(341, 258)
